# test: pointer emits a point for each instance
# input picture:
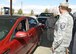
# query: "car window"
(20, 27)
(32, 22)
(3, 33)
(5, 26)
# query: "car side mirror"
(21, 34)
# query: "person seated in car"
(19, 27)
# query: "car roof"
(9, 17)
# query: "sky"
(36, 5)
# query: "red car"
(19, 34)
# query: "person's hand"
(67, 51)
(52, 49)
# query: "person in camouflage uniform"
(62, 31)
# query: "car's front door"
(17, 45)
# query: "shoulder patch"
(62, 26)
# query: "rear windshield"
(46, 14)
(42, 20)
